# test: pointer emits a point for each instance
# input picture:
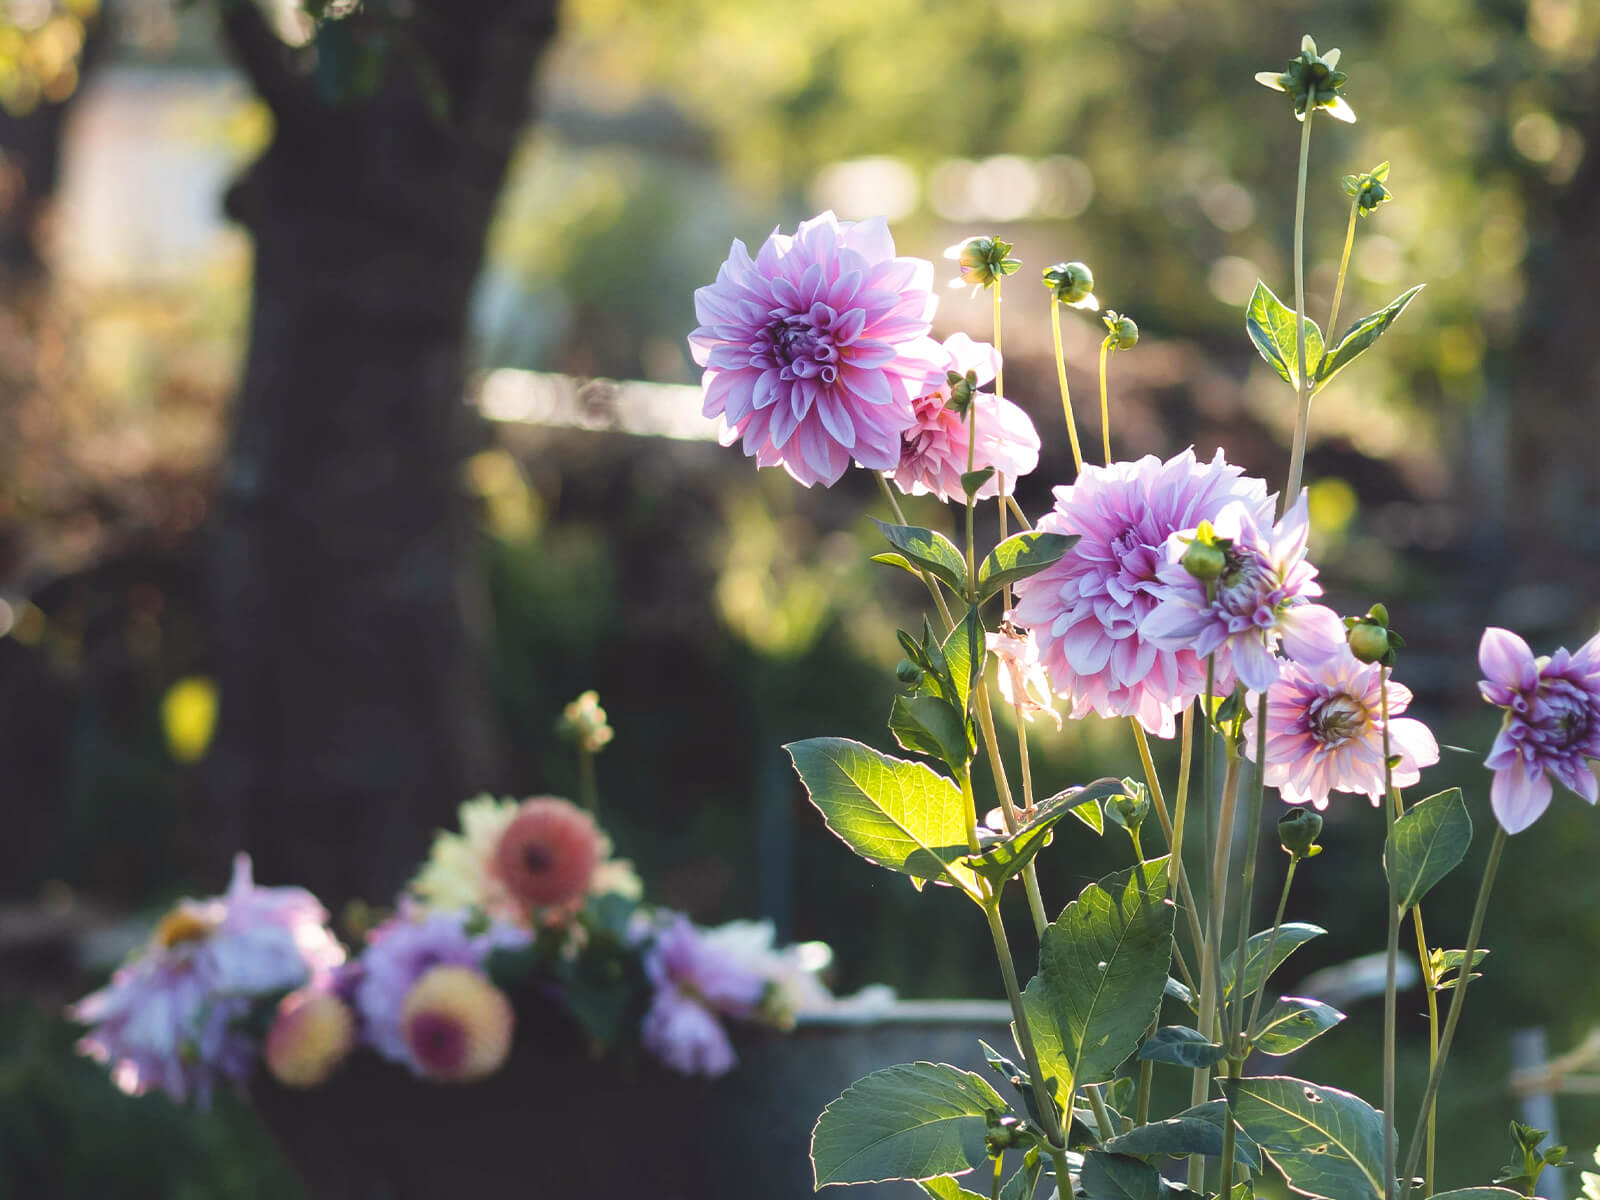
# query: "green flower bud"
(1123, 333)
(1002, 1133)
(1073, 285)
(1368, 189)
(1204, 560)
(1298, 830)
(1371, 639)
(1130, 808)
(1311, 75)
(983, 261)
(962, 389)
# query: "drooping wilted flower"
(1259, 599)
(815, 348)
(1087, 611)
(169, 1020)
(457, 1025)
(1024, 683)
(1325, 731)
(696, 980)
(934, 456)
(1552, 724)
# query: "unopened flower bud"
(983, 261)
(1122, 333)
(1131, 807)
(1073, 285)
(1368, 189)
(1204, 560)
(1371, 639)
(583, 722)
(1298, 830)
(962, 389)
(1002, 1133)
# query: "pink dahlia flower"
(170, 1020)
(1552, 724)
(695, 980)
(1325, 731)
(548, 854)
(1258, 601)
(814, 350)
(936, 447)
(1088, 610)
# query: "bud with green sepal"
(1130, 807)
(1371, 639)
(1122, 333)
(983, 261)
(1298, 830)
(962, 389)
(1072, 283)
(1309, 75)
(1207, 555)
(1367, 189)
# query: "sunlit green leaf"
(1005, 855)
(1291, 936)
(1292, 1022)
(930, 549)
(928, 725)
(1272, 327)
(1197, 1130)
(1355, 340)
(1020, 556)
(1428, 841)
(1328, 1143)
(1182, 1047)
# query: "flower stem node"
(1367, 189)
(1371, 639)
(1311, 78)
(983, 261)
(1298, 830)
(1122, 333)
(1073, 285)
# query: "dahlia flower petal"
(1311, 633)
(1505, 658)
(1519, 796)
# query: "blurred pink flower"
(1325, 731)
(814, 350)
(1552, 724)
(1088, 610)
(935, 453)
(547, 855)
(695, 980)
(1259, 600)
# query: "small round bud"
(1204, 560)
(583, 723)
(1298, 830)
(1073, 285)
(1122, 333)
(1369, 642)
(983, 261)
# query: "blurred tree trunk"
(354, 715)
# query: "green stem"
(1272, 941)
(1147, 1075)
(1178, 878)
(1431, 1092)
(1221, 856)
(1344, 262)
(1428, 982)
(1228, 1138)
(1061, 378)
(1102, 1115)
(588, 790)
(1105, 408)
(1391, 955)
(1252, 843)
(1302, 418)
(1197, 1089)
(927, 578)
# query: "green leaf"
(1272, 327)
(1118, 1177)
(1291, 936)
(1477, 1193)
(1020, 556)
(1005, 855)
(971, 481)
(1292, 1022)
(1443, 962)
(963, 652)
(898, 814)
(928, 725)
(1328, 1143)
(912, 1121)
(1355, 340)
(1428, 842)
(1182, 1047)
(1197, 1130)
(890, 559)
(931, 550)
(1181, 992)
(942, 1187)
(1102, 968)
(1025, 1179)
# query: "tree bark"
(353, 716)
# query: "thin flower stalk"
(1390, 959)
(1179, 878)
(1272, 941)
(1061, 378)
(1105, 408)
(1252, 840)
(1303, 413)
(1202, 1077)
(1429, 982)
(1331, 329)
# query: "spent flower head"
(1367, 189)
(1308, 74)
(1072, 283)
(983, 261)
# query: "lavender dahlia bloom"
(695, 980)
(1259, 599)
(168, 1020)
(1325, 731)
(1552, 724)
(814, 349)
(936, 447)
(402, 950)
(1088, 610)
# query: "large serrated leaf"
(1292, 1022)
(898, 814)
(1102, 969)
(1020, 556)
(1328, 1143)
(1272, 328)
(1355, 340)
(1291, 936)
(963, 652)
(1005, 855)
(930, 550)
(913, 1121)
(1196, 1130)
(1429, 840)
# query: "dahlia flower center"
(438, 1041)
(805, 344)
(537, 859)
(1244, 582)
(1561, 716)
(1334, 720)
(182, 925)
